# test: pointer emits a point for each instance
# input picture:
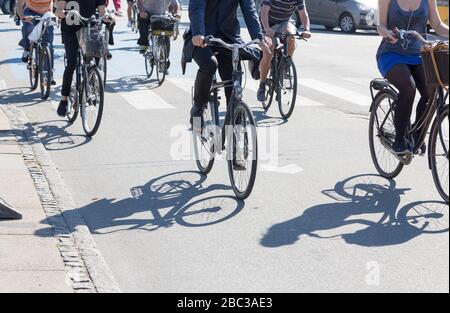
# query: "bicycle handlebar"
(402, 34)
(92, 19)
(210, 40)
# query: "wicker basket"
(93, 41)
(440, 52)
(162, 26)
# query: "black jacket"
(219, 18)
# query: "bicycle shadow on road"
(131, 83)
(174, 199)
(20, 95)
(365, 212)
(55, 135)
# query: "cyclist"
(276, 18)
(148, 8)
(130, 11)
(219, 19)
(86, 8)
(399, 60)
(26, 10)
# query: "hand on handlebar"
(306, 35)
(27, 19)
(392, 35)
(199, 41)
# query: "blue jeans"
(27, 29)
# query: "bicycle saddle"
(380, 83)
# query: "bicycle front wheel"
(242, 152)
(33, 68)
(438, 155)
(45, 73)
(205, 141)
(287, 88)
(92, 100)
(382, 136)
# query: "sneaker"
(400, 146)
(143, 49)
(62, 108)
(118, 13)
(130, 23)
(261, 95)
(196, 115)
(25, 56)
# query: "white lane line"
(253, 85)
(145, 99)
(361, 81)
(288, 169)
(3, 85)
(337, 92)
(184, 84)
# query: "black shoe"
(108, 56)
(25, 56)
(261, 95)
(53, 83)
(400, 146)
(196, 116)
(419, 150)
(62, 108)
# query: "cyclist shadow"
(131, 83)
(55, 136)
(365, 213)
(175, 199)
(22, 96)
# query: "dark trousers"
(209, 61)
(408, 78)
(143, 26)
(12, 6)
(71, 46)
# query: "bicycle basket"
(93, 41)
(435, 62)
(162, 26)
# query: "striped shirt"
(281, 10)
(39, 3)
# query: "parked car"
(348, 15)
(4, 5)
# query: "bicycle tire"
(93, 73)
(161, 61)
(243, 193)
(45, 72)
(287, 62)
(33, 68)
(210, 127)
(435, 139)
(373, 124)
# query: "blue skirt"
(388, 60)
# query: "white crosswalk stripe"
(301, 100)
(145, 99)
(337, 92)
(3, 85)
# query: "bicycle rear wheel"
(161, 60)
(439, 153)
(92, 100)
(205, 142)
(242, 152)
(382, 135)
(33, 69)
(287, 88)
(45, 72)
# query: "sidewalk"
(29, 257)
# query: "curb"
(85, 266)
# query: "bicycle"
(134, 17)
(40, 64)
(238, 129)
(162, 27)
(87, 90)
(382, 130)
(282, 79)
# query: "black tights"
(408, 78)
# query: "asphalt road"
(319, 219)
